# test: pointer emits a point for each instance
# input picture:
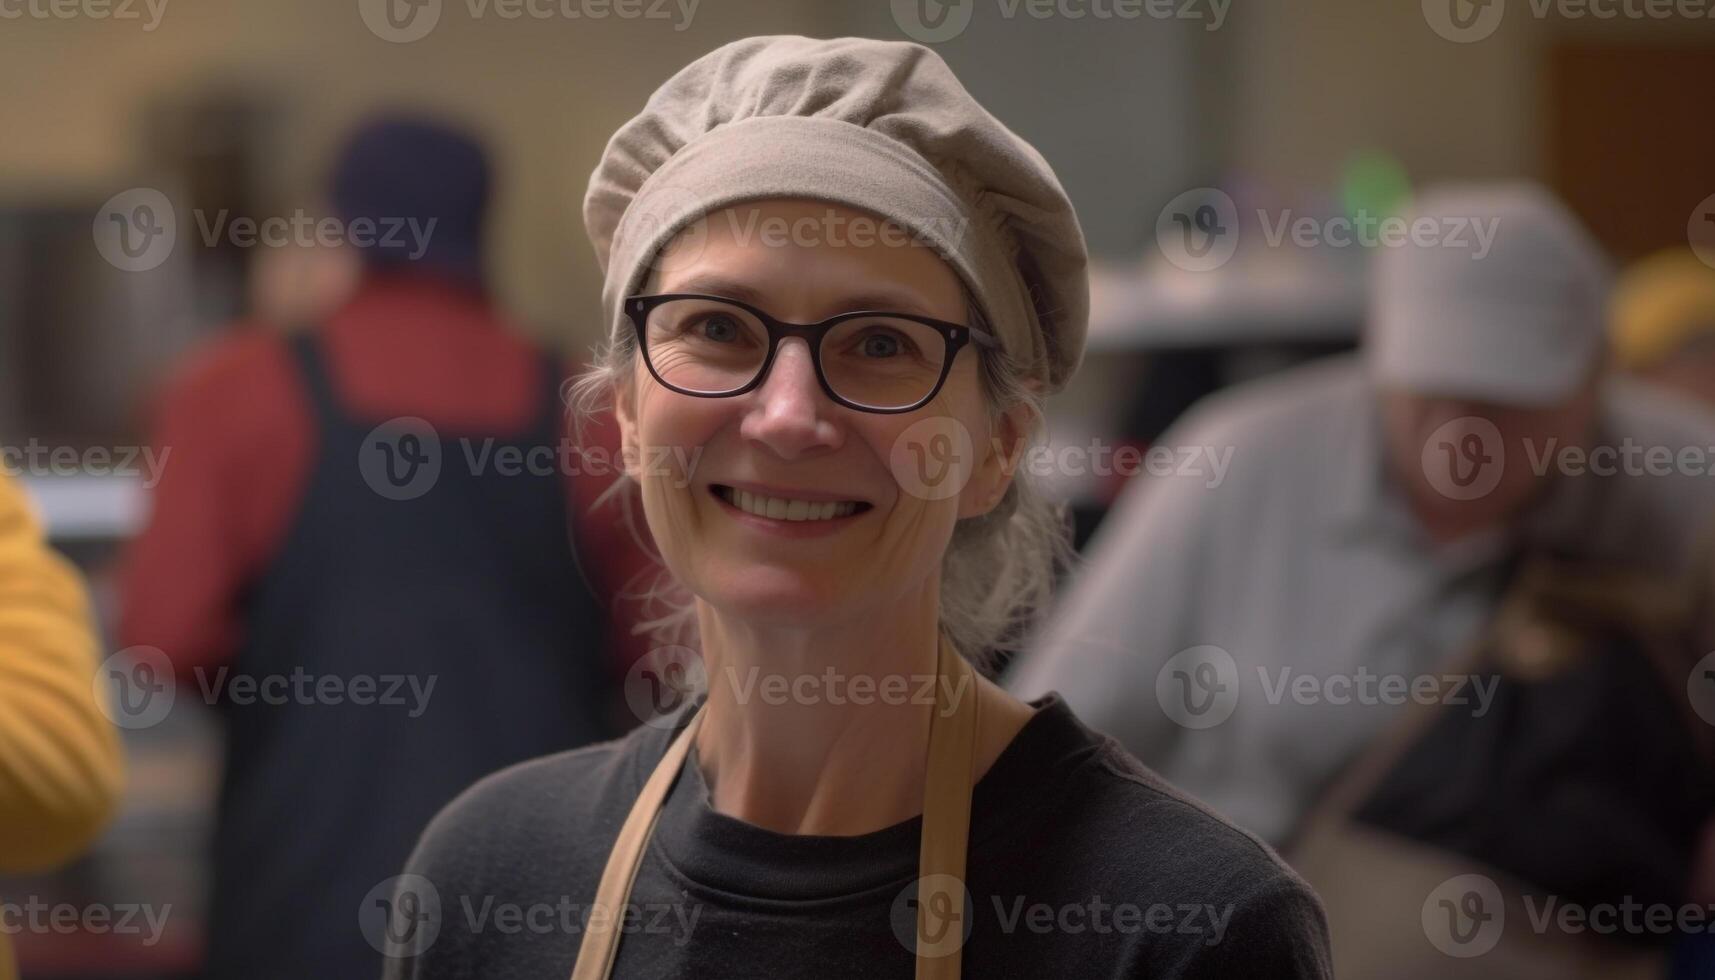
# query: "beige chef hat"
(881, 126)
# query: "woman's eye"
(718, 327)
(882, 343)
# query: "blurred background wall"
(1130, 112)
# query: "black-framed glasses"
(873, 361)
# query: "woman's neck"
(828, 733)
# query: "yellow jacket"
(61, 771)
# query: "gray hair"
(999, 571)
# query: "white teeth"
(786, 510)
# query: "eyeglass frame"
(637, 308)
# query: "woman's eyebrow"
(718, 286)
(871, 299)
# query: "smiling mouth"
(786, 508)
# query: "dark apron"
(473, 583)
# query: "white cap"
(1498, 294)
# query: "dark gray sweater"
(1082, 864)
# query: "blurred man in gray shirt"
(1248, 639)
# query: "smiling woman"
(844, 795)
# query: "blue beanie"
(396, 175)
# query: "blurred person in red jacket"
(375, 554)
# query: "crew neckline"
(724, 853)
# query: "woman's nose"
(790, 412)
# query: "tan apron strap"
(941, 863)
(601, 935)
(941, 889)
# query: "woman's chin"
(778, 598)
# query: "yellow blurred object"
(61, 769)
(1660, 304)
